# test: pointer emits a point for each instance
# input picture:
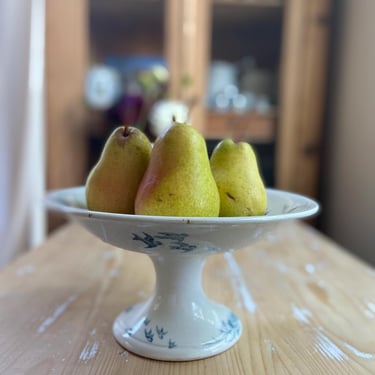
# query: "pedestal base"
(205, 331)
(178, 323)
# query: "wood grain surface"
(307, 306)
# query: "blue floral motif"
(146, 321)
(177, 240)
(160, 332)
(129, 331)
(148, 240)
(128, 309)
(171, 344)
(229, 330)
(230, 327)
(149, 335)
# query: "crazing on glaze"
(56, 314)
(239, 284)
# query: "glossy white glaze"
(178, 322)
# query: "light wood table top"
(307, 307)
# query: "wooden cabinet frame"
(66, 63)
(302, 88)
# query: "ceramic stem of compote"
(178, 281)
(178, 322)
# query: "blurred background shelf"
(277, 49)
(255, 3)
(254, 127)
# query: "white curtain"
(22, 164)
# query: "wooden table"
(307, 306)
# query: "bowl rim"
(310, 208)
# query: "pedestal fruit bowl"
(178, 322)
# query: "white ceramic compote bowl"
(178, 322)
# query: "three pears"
(175, 177)
(113, 182)
(241, 188)
(178, 180)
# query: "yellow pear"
(241, 188)
(113, 182)
(178, 180)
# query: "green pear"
(113, 182)
(241, 188)
(178, 180)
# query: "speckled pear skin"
(178, 180)
(241, 188)
(113, 182)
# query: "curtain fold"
(22, 156)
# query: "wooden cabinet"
(184, 32)
(297, 128)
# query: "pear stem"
(126, 131)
